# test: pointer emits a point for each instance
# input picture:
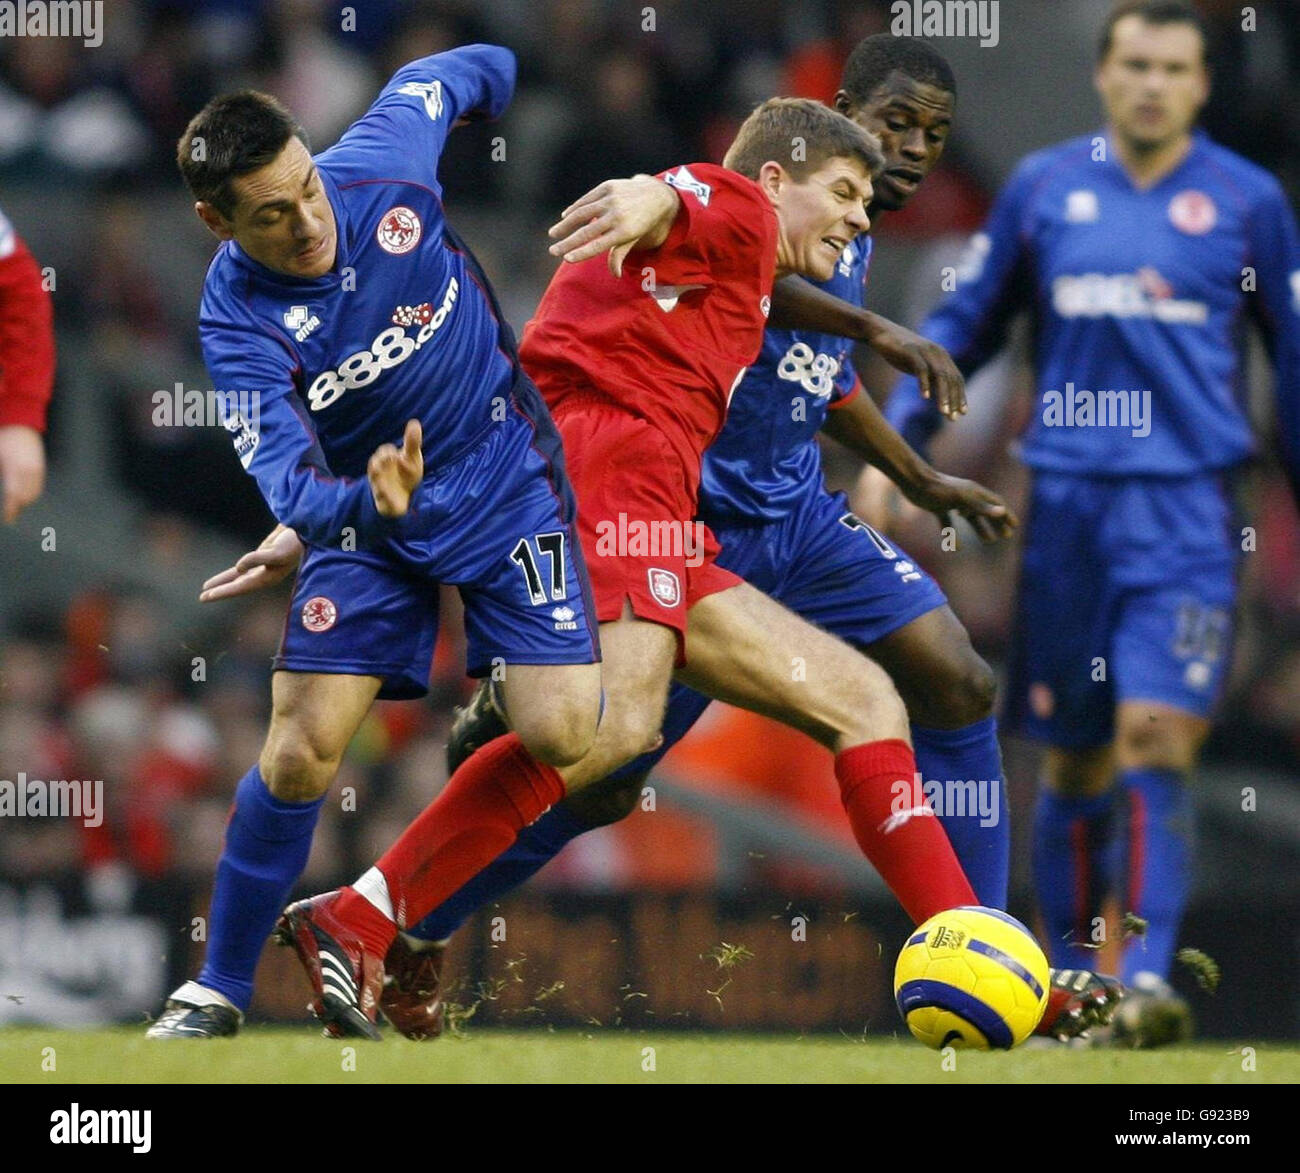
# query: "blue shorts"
(499, 524)
(1127, 589)
(827, 566)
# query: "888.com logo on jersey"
(813, 371)
(391, 348)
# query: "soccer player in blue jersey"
(335, 270)
(1137, 251)
(764, 496)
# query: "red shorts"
(636, 518)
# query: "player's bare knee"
(604, 803)
(871, 710)
(1156, 743)
(629, 732)
(294, 770)
(971, 692)
(963, 692)
(1086, 773)
(560, 735)
(561, 739)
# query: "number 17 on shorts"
(536, 609)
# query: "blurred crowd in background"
(106, 681)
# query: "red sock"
(494, 795)
(910, 850)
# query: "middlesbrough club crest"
(665, 587)
(1193, 212)
(319, 614)
(399, 230)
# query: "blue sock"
(1159, 865)
(535, 847)
(982, 841)
(267, 843)
(1074, 869)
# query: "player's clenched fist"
(393, 473)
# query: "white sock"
(199, 995)
(374, 888)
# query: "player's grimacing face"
(912, 120)
(1153, 82)
(821, 215)
(283, 218)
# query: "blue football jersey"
(766, 458)
(1137, 299)
(399, 329)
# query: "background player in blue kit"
(341, 313)
(1137, 251)
(764, 496)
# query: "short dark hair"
(232, 135)
(874, 58)
(780, 125)
(1153, 12)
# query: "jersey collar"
(1193, 154)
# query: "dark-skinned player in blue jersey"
(763, 493)
(1139, 252)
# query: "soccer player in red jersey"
(26, 373)
(637, 356)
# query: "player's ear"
(841, 102)
(771, 178)
(217, 224)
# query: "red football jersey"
(670, 339)
(26, 335)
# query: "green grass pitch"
(300, 1055)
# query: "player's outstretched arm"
(394, 472)
(860, 426)
(799, 305)
(428, 98)
(276, 558)
(616, 216)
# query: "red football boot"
(1077, 1001)
(412, 997)
(347, 980)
